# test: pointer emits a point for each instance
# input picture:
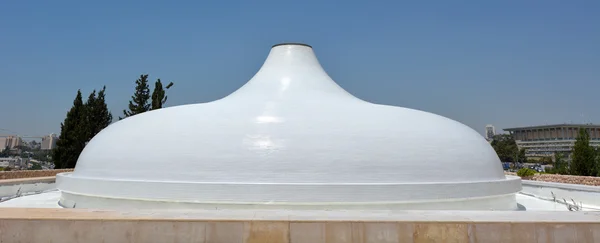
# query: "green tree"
(87, 116)
(597, 162)
(522, 158)
(506, 147)
(584, 157)
(41, 155)
(159, 97)
(97, 114)
(35, 166)
(139, 101)
(72, 136)
(82, 123)
(560, 165)
(23, 148)
(5, 152)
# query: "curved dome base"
(498, 203)
(112, 194)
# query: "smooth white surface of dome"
(289, 137)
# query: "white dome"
(290, 137)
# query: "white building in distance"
(49, 142)
(490, 131)
(546, 140)
(11, 141)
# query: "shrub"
(526, 172)
(35, 166)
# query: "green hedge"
(526, 172)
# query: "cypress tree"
(139, 101)
(89, 117)
(158, 95)
(560, 166)
(97, 114)
(72, 130)
(82, 123)
(583, 162)
(104, 117)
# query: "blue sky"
(508, 63)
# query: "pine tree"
(70, 142)
(139, 101)
(583, 162)
(158, 95)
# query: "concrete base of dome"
(504, 202)
(101, 193)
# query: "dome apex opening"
(291, 44)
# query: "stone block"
(266, 232)
(301, 232)
(434, 232)
(381, 233)
(225, 232)
(523, 232)
(170, 231)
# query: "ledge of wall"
(589, 196)
(244, 226)
(565, 186)
(10, 188)
(4, 175)
(33, 180)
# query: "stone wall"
(582, 180)
(90, 231)
(77, 225)
(30, 173)
(568, 179)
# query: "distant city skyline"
(509, 63)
